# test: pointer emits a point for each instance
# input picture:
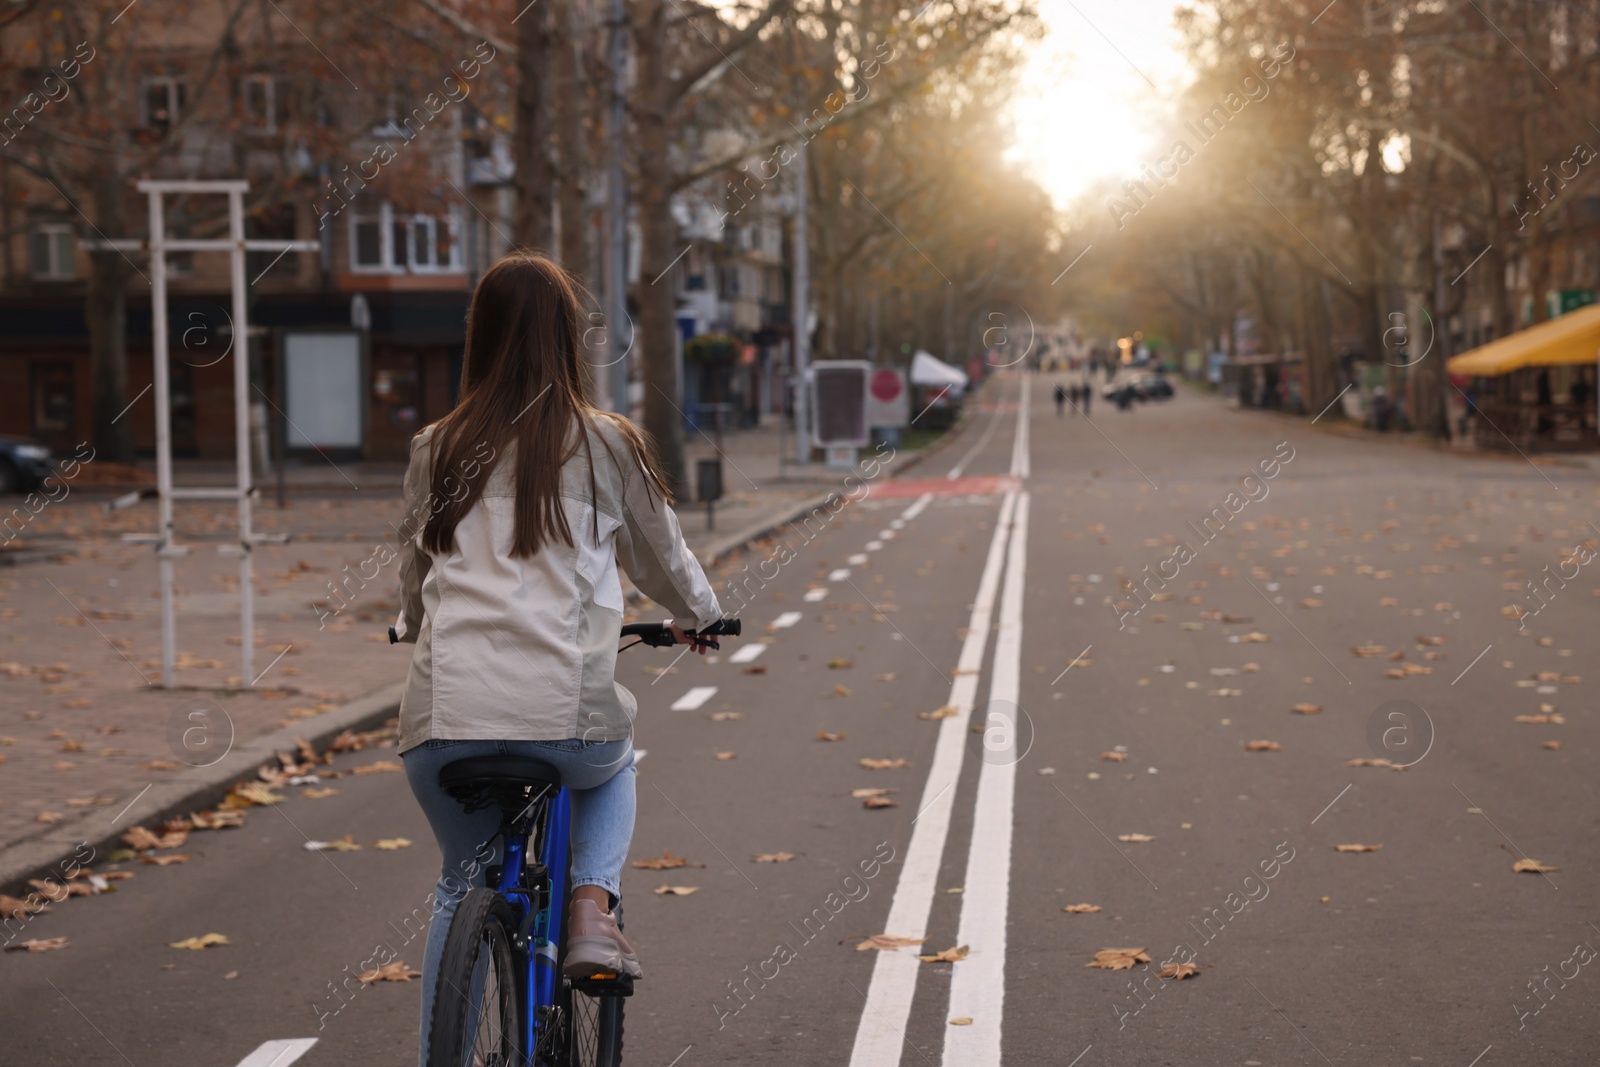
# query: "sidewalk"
(83, 729)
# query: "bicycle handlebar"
(659, 635)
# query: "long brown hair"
(523, 385)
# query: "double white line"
(978, 986)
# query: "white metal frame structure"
(242, 492)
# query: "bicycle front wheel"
(477, 1011)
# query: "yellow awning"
(1572, 338)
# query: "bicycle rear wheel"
(477, 1012)
(592, 1014)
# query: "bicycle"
(502, 999)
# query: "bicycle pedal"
(605, 984)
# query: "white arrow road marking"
(747, 653)
(694, 698)
(786, 620)
(278, 1053)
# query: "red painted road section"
(976, 486)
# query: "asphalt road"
(1419, 952)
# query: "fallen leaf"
(725, 716)
(1531, 866)
(888, 942)
(1178, 971)
(1081, 909)
(839, 663)
(1366, 651)
(1357, 848)
(773, 857)
(197, 943)
(1114, 757)
(961, 1020)
(823, 735)
(879, 802)
(163, 861)
(727, 755)
(48, 817)
(860, 793)
(1377, 763)
(381, 767)
(1551, 745)
(667, 862)
(756, 668)
(664, 890)
(840, 691)
(949, 955)
(230, 976)
(390, 844)
(16, 907)
(1308, 709)
(389, 972)
(38, 945)
(882, 764)
(347, 843)
(945, 712)
(1253, 637)
(159, 765)
(1136, 839)
(318, 794)
(1262, 746)
(1118, 959)
(1539, 720)
(139, 839)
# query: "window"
(383, 242)
(52, 251)
(258, 103)
(162, 102)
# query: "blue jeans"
(598, 774)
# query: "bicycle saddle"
(504, 781)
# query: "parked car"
(24, 464)
(1155, 387)
(1140, 387)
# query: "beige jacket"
(526, 649)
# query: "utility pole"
(615, 236)
(801, 312)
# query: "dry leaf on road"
(839, 663)
(888, 942)
(725, 716)
(1178, 971)
(1527, 865)
(1376, 763)
(162, 861)
(874, 792)
(824, 735)
(665, 890)
(946, 712)
(390, 972)
(1262, 746)
(879, 802)
(318, 794)
(381, 767)
(347, 843)
(1136, 839)
(961, 1020)
(389, 844)
(1114, 757)
(727, 755)
(666, 862)
(883, 764)
(1551, 745)
(949, 955)
(37, 944)
(1308, 709)
(773, 857)
(1118, 959)
(1081, 909)
(1357, 848)
(197, 943)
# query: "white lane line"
(857, 560)
(786, 620)
(873, 546)
(894, 974)
(988, 432)
(886, 535)
(977, 986)
(898, 524)
(747, 653)
(1020, 465)
(839, 574)
(278, 1053)
(694, 698)
(917, 508)
(814, 595)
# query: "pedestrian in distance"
(1061, 399)
(520, 505)
(1086, 391)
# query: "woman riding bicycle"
(520, 504)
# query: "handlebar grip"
(722, 628)
(394, 638)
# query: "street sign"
(888, 399)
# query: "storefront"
(1535, 389)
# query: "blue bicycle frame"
(542, 919)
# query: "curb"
(201, 787)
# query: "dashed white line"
(695, 697)
(873, 546)
(279, 1053)
(857, 560)
(917, 508)
(887, 535)
(747, 653)
(786, 620)
(814, 595)
(839, 574)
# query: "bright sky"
(1084, 112)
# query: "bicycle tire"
(482, 920)
(592, 1026)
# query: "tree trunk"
(105, 312)
(531, 227)
(573, 94)
(1322, 377)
